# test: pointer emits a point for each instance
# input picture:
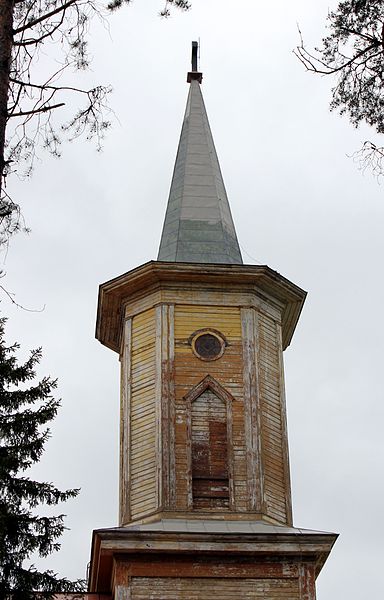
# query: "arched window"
(209, 433)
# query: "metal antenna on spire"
(194, 74)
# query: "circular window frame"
(208, 330)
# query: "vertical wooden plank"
(307, 582)
(257, 418)
(143, 436)
(158, 402)
(232, 499)
(164, 406)
(287, 476)
(171, 405)
(188, 475)
(125, 404)
(252, 413)
(274, 443)
(123, 592)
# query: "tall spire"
(198, 225)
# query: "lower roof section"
(207, 526)
(257, 541)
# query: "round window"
(207, 344)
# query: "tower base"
(175, 559)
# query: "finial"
(194, 74)
(195, 46)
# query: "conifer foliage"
(352, 52)
(26, 407)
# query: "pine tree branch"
(45, 86)
(368, 38)
(36, 41)
(37, 110)
(309, 61)
(44, 17)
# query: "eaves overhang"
(114, 294)
(270, 542)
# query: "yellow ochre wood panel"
(272, 426)
(227, 370)
(190, 318)
(177, 588)
(143, 415)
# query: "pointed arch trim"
(211, 384)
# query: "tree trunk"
(6, 43)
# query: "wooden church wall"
(227, 370)
(194, 588)
(142, 471)
(159, 370)
(273, 439)
(209, 432)
(200, 577)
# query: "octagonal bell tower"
(205, 497)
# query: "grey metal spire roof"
(198, 225)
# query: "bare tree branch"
(28, 116)
(370, 157)
(46, 35)
(353, 52)
(310, 61)
(45, 17)
(35, 111)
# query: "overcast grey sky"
(300, 205)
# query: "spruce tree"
(26, 407)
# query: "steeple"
(205, 495)
(198, 224)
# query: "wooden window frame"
(210, 383)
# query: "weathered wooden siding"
(125, 430)
(252, 412)
(162, 371)
(177, 588)
(273, 442)
(165, 405)
(143, 455)
(228, 371)
(210, 472)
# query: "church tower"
(205, 496)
